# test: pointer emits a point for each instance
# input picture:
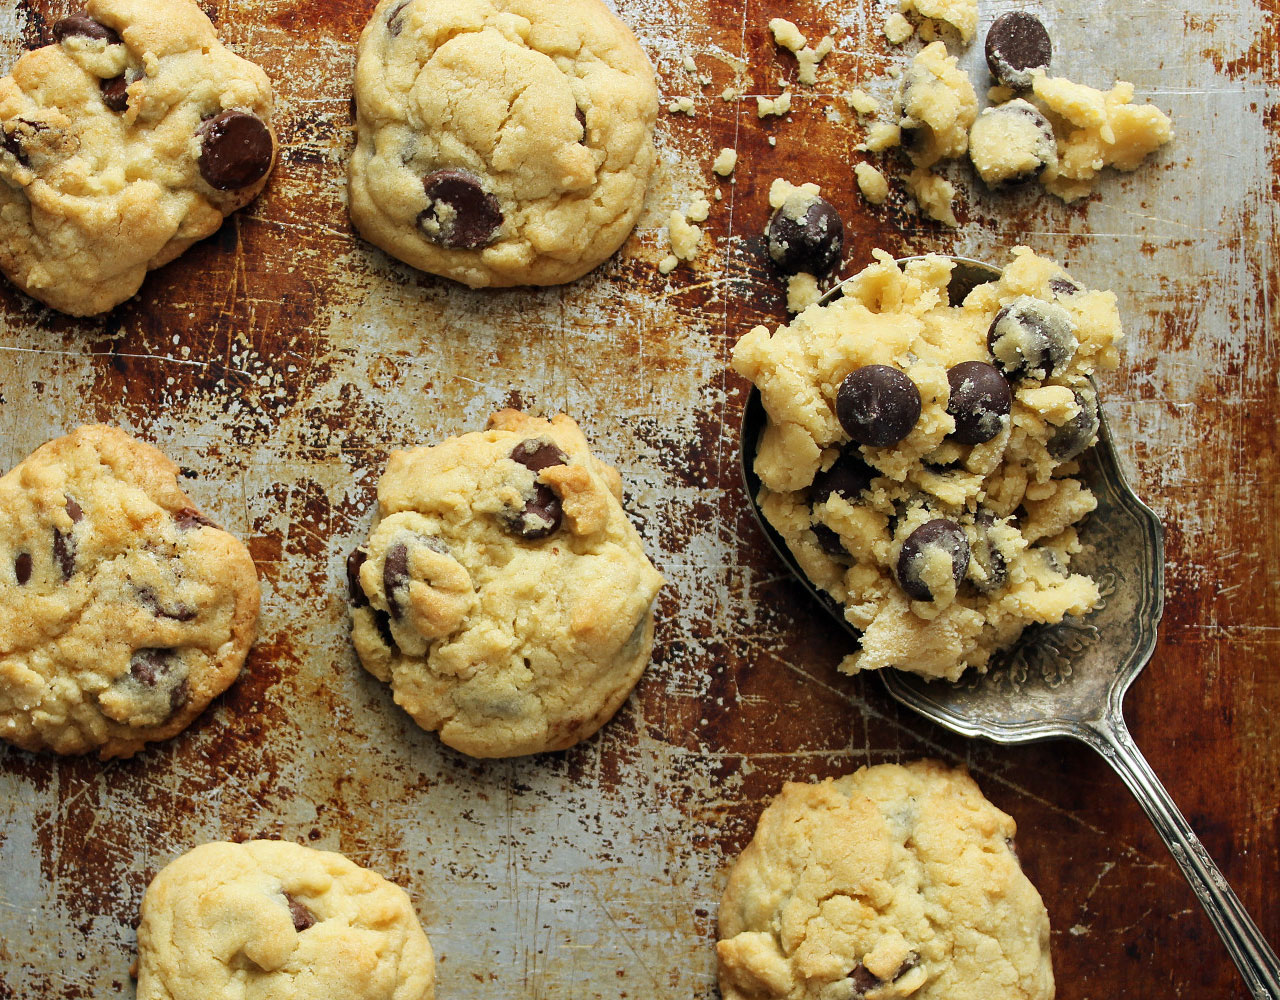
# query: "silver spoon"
(1070, 679)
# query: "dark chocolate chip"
(302, 917)
(1073, 437)
(395, 19)
(984, 555)
(188, 518)
(1031, 338)
(537, 455)
(73, 511)
(12, 142)
(938, 534)
(22, 567)
(151, 601)
(395, 574)
(810, 242)
(178, 696)
(150, 666)
(235, 150)
(908, 963)
(828, 539)
(15, 138)
(354, 562)
(1017, 43)
(979, 403)
(460, 213)
(539, 517)
(863, 981)
(582, 120)
(849, 476)
(84, 26)
(64, 553)
(115, 93)
(1064, 286)
(382, 622)
(877, 405)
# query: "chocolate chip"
(810, 241)
(460, 213)
(16, 137)
(1073, 437)
(395, 19)
(302, 917)
(1031, 338)
(188, 518)
(83, 26)
(235, 150)
(73, 510)
(115, 93)
(178, 696)
(150, 666)
(150, 600)
(354, 562)
(1017, 43)
(849, 476)
(395, 574)
(863, 981)
(64, 553)
(539, 517)
(1012, 143)
(940, 534)
(1064, 286)
(828, 539)
(986, 556)
(383, 623)
(979, 403)
(908, 963)
(582, 120)
(22, 567)
(537, 455)
(877, 405)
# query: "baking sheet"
(282, 359)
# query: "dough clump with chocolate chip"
(918, 457)
(895, 881)
(500, 142)
(129, 138)
(123, 610)
(502, 593)
(272, 919)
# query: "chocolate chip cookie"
(896, 881)
(122, 143)
(500, 142)
(272, 919)
(503, 594)
(123, 610)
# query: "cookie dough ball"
(500, 142)
(272, 919)
(502, 593)
(123, 610)
(136, 121)
(1012, 143)
(896, 881)
(1017, 45)
(915, 453)
(935, 107)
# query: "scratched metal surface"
(280, 361)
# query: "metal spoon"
(1070, 679)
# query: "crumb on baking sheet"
(780, 105)
(872, 183)
(725, 162)
(897, 29)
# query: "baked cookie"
(503, 593)
(500, 142)
(121, 144)
(123, 610)
(896, 881)
(919, 457)
(277, 921)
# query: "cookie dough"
(960, 14)
(1012, 143)
(935, 106)
(503, 594)
(123, 610)
(273, 920)
(880, 423)
(896, 881)
(121, 144)
(500, 142)
(1095, 129)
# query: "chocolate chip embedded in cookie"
(269, 918)
(138, 121)
(896, 881)
(502, 592)
(500, 143)
(127, 610)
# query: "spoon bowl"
(1068, 679)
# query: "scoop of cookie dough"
(123, 610)
(502, 592)
(895, 881)
(966, 418)
(278, 921)
(121, 144)
(500, 142)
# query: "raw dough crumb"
(882, 136)
(668, 264)
(999, 95)
(1096, 129)
(787, 35)
(684, 237)
(872, 183)
(933, 195)
(773, 141)
(682, 106)
(730, 94)
(719, 195)
(802, 292)
(779, 105)
(960, 14)
(862, 102)
(689, 64)
(897, 29)
(698, 210)
(725, 162)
